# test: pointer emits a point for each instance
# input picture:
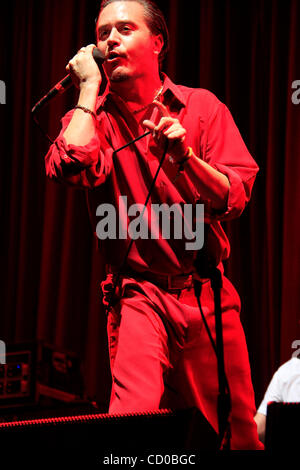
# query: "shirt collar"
(174, 89)
(169, 87)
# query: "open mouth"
(113, 56)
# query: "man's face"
(125, 39)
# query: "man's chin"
(118, 76)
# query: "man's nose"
(114, 37)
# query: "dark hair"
(154, 19)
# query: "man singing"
(160, 352)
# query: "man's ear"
(158, 44)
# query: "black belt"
(164, 281)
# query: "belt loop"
(169, 281)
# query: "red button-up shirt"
(212, 134)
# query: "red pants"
(161, 356)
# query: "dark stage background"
(247, 53)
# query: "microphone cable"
(118, 275)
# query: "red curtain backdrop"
(245, 53)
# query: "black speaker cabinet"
(282, 428)
(96, 438)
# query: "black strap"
(122, 267)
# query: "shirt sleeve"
(84, 166)
(226, 151)
(273, 393)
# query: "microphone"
(65, 83)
